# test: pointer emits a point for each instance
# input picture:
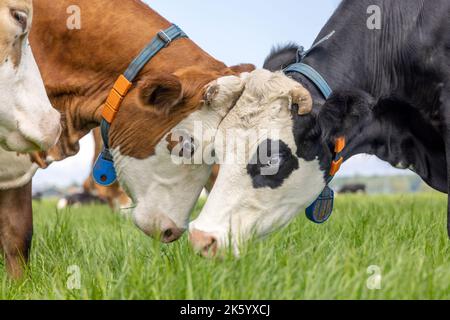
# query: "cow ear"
(241, 68)
(161, 92)
(342, 111)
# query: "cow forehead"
(266, 94)
(268, 86)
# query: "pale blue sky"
(234, 32)
(244, 31)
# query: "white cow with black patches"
(162, 200)
(264, 194)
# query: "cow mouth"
(41, 159)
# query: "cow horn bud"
(302, 98)
(211, 92)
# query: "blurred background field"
(375, 185)
(403, 236)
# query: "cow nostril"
(171, 235)
(168, 233)
(210, 249)
(204, 243)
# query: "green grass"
(403, 235)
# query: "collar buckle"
(164, 37)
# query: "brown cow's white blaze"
(163, 188)
(27, 123)
(243, 202)
(27, 120)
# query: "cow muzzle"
(204, 243)
(161, 228)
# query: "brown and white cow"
(114, 195)
(171, 94)
(27, 123)
(27, 120)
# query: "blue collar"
(308, 71)
(322, 208)
(314, 76)
(104, 172)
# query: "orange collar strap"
(115, 98)
(338, 159)
(104, 172)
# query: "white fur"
(235, 208)
(62, 204)
(162, 188)
(16, 170)
(27, 120)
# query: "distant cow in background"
(79, 199)
(353, 188)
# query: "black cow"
(391, 87)
(353, 188)
(78, 200)
(391, 98)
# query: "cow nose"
(204, 243)
(158, 226)
(171, 234)
(168, 231)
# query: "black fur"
(282, 56)
(273, 177)
(342, 111)
(389, 87)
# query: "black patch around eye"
(272, 164)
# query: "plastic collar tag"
(104, 172)
(320, 211)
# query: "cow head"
(158, 149)
(288, 148)
(27, 120)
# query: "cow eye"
(188, 147)
(21, 18)
(275, 161)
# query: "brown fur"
(80, 66)
(114, 194)
(161, 92)
(16, 228)
(212, 179)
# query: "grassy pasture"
(403, 235)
